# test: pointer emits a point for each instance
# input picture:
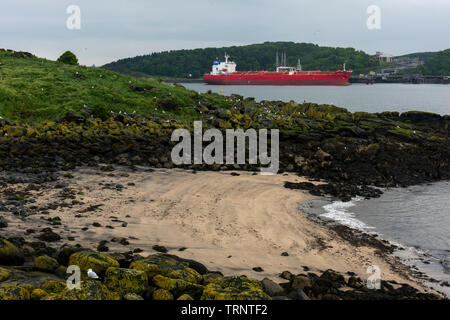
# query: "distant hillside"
(182, 63)
(439, 65)
(424, 56)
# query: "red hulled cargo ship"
(224, 73)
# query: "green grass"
(34, 90)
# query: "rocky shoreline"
(353, 153)
(130, 276)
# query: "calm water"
(417, 217)
(357, 97)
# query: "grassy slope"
(34, 89)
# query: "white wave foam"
(338, 212)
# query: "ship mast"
(299, 65)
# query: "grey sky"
(113, 29)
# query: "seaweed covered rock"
(125, 281)
(46, 264)
(90, 290)
(38, 294)
(132, 297)
(178, 287)
(10, 254)
(4, 274)
(235, 288)
(185, 297)
(15, 292)
(54, 286)
(168, 266)
(98, 262)
(211, 277)
(162, 294)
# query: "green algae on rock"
(38, 294)
(132, 297)
(211, 277)
(185, 297)
(4, 274)
(235, 288)
(46, 263)
(124, 281)
(19, 292)
(10, 254)
(90, 290)
(98, 262)
(162, 294)
(54, 286)
(169, 266)
(178, 287)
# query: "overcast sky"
(113, 29)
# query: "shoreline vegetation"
(57, 118)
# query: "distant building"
(384, 57)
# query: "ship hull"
(317, 78)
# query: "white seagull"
(91, 274)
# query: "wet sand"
(231, 223)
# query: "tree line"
(194, 63)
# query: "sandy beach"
(231, 222)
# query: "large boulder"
(235, 288)
(46, 264)
(10, 254)
(168, 266)
(300, 282)
(272, 288)
(98, 262)
(125, 281)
